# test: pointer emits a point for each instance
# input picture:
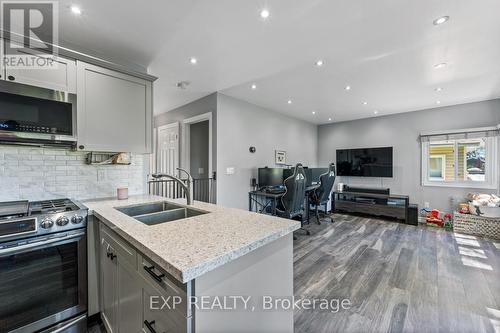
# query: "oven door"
(43, 281)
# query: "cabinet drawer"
(165, 283)
(161, 320)
(124, 250)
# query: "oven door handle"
(28, 246)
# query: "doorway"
(197, 155)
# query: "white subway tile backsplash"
(43, 173)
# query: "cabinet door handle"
(110, 255)
(10, 77)
(155, 276)
(149, 325)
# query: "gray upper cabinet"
(114, 111)
(61, 77)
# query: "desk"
(271, 200)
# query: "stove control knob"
(47, 223)
(77, 219)
(62, 221)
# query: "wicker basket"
(477, 225)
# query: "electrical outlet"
(427, 205)
(201, 171)
(230, 171)
(101, 175)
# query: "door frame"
(157, 150)
(186, 144)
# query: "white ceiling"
(385, 50)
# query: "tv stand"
(371, 202)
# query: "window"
(437, 167)
(460, 159)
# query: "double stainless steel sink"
(159, 212)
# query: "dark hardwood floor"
(398, 278)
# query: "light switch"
(230, 171)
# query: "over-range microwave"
(36, 116)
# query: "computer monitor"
(315, 174)
(270, 176)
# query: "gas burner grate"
(52, 206)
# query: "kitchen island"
(218, 265)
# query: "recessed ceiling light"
(76, 10)
(193, 60)
(264, 13)
(365, 103)
(375, 112)
(254, 86)
(441, 20)
(440, 65)
(438, 102)
(289, 101)
(329, 119)
(347, 88)
(319, 63)
(438, 89)
(314, 112)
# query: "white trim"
(186, 149)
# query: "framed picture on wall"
(280, 156)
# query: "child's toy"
(434, 220)
(448, 222)
(464, 208)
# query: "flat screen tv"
(365, 162)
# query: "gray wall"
(401, 131)
(198, 156)
(200, 106)
(241, 125)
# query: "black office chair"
(321, 195)
(292, 202)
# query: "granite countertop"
(190, 247)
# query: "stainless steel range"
(43, 266)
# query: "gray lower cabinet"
(120, 292)
(132, 291)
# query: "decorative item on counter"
(433, 219)
(340, 187)
(97, 158)
(448, 222)
(122, 193)
(463, 208)
(121, 158)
